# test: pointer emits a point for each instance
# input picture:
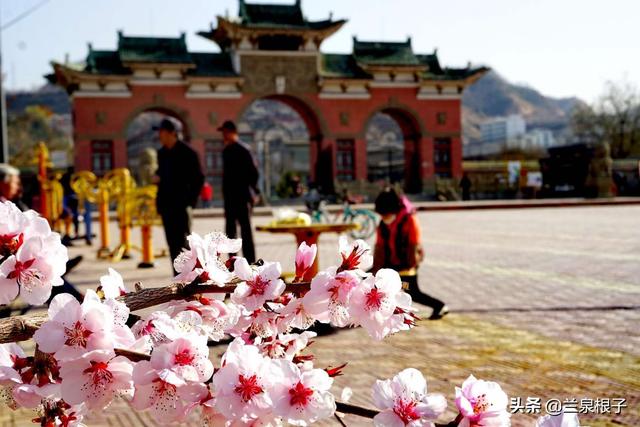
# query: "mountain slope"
(493, 96)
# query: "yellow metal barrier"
(135, 206)
(44, 164)
(93, 190)
(120, 185)
(53, 196)
(143, 212)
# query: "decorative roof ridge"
(182, 38)
(294, 11)
(373, 43)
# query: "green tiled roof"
(271, 14)
(104, 62)
(153, 49)
(347, 67)
(212, 65)
(384, 53)
(341, 66)
(286, 16)
(156, 50)
(432, 62)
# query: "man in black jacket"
(179, 178)
(239, 187)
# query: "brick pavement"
(544, 301)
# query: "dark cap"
(228, 125)
(168, 124)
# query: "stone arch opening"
(285, 136)
(393, 149)
(142, 140)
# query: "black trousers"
(240, 214)
(177, 226)
(420, 297)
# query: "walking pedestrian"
(179, 178)
(71, 207)
(398, 246)
(465, 185)
(239, 187)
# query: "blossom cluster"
(32, 257)
(92, 352)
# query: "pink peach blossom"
(75, 328)
(285, 346)
(112, 285)
(158, 326)
(56, 412)
(305, 255)
(355, 255)
(184, 359)
(259, 285)
(12, 359)
(403, 401)
(22, 384)
(328, 299)
(242, 385)
(202, 259)
(95, 378)
(293, 315)
(216, 317)
(302, 398)
(380, 306)
(166, 402)
(482, 403)
(12, 228)
(36, 266)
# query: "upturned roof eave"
(474, 74)
(221, 33)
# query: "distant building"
(503, 131)
(535, 139)
(508, 133)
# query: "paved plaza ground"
(544, 301)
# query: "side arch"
(412, 134)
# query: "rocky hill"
(493, 96)
(51, 97)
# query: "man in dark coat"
(179, 178)
(239, 187)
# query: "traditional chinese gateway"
(273, 52)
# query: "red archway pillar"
(82, 154)
(456, 157)
(428, 168)
(120, 155)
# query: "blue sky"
(560, 47)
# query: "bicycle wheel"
(320, 217)
(367, 225)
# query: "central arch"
(286, 137)
(393, 138)
(140, 137)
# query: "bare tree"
(614, 118)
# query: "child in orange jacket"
(398, 246)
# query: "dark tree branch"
(22, 328)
